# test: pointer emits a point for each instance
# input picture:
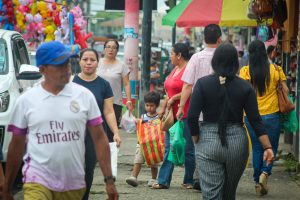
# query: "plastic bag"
(289, 120)
(177, 144)
(128, 122)
(114, 157)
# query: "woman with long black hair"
(264, 78)
(221, 145)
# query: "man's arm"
(103, 155)
(109, 114)
(185, 94)
(15, 153)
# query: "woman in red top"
(173, 85)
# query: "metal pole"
(173, 35)
(146, 53)
(174, 28)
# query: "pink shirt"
(173, 86)
(198, 66)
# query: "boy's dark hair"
(212, 33)
(152, 97)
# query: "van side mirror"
(29, 72)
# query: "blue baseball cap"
(52, 53)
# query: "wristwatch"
(107, 178)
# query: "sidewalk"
(281, 185)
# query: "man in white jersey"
(199, 66)
(49, 124)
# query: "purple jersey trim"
(16, 130)
(95, 122)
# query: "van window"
(20, 54)
(3, 58)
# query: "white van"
(16, 75)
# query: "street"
(282, 187)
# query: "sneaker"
(151, 182)
(132, 181)
(263, 179)
(258, 189)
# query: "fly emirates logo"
(57, 134)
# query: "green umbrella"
(173, 15)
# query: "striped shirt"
(198, 66)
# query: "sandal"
(186, 186)
(159, 186)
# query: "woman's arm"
(163, 107)
(195, 108)
(173, 99)
(110, 118)
(285, 87)
(126, 84)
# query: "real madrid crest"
(74, 106)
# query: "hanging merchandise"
(263, 9)
(280, 12)
(262, 33)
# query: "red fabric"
(173, 86)
(200, 11)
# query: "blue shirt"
(101, 90)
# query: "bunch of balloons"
(42, 21)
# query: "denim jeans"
(167, 167)
(272, 124)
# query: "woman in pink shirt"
(173, 85)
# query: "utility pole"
(146, 52)
(131, 48)
(174, 27)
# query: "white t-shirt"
(114, 74)
(55, 126)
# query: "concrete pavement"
(282, 187)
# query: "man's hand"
(111, 191)
(179, 112)
(117, 139)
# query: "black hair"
(212, 33)
(89, 49)
(225, 60)
(259, 67)
(183, 49)
(152, 97)
(270, 49)
(225, 63)
(112, 40)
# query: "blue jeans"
(272, 124)
(167, 167)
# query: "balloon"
(49, 32)
(81, 39)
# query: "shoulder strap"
(277, 69)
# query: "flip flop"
(186, 186)
(159, 186)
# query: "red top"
(173, 86)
